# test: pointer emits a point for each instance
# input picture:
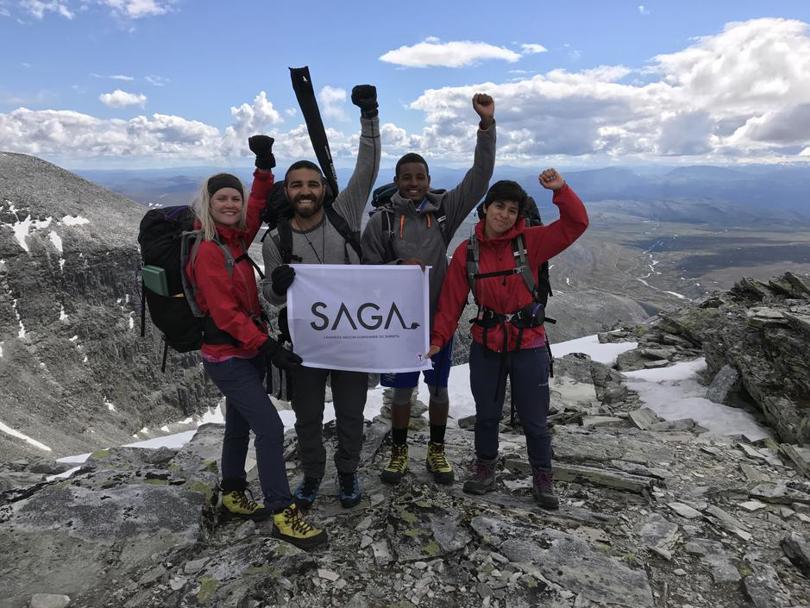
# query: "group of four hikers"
(415, 227)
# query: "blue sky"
(151, 83)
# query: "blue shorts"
(438, 376)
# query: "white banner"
(360, 318)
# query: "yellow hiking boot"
(290, 525)
(436, 462)
(236, 504)
(397, 466)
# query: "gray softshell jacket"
(420, 236)
(323, 243)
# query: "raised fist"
(551, 180)
(484, 106)
(262, 147)
(364, 96)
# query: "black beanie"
(224, 180)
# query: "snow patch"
(57, 241)
(21, 332)
(1, 349)
(677, 295)
(62, 314)
(15, 433)
(673, 393)
(74, 220)
(64, 475)
(74, 338)
(109, 405)
(131, 321)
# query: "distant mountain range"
(773, 192)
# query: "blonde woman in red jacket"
(508, 335)
(236, 346)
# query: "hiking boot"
(236, 504)
(349, 490)
(291, 526)
(483, 477)
(306, 492)
(397, 466)
(436, 462)
(543, 489)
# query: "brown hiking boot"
(543, 489)
(483, 477)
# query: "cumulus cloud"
(741, 94)
(533, 49)
(122, 99)
(643, 10)
(124, 9)
(456, 54)
(332, 102)
(138, 9)
(38, 8)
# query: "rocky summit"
(652, 514)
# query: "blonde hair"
(202, 209)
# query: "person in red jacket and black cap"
(508, 335)
(236, 345)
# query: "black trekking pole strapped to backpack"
(304, 93)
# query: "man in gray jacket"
(316, 240)
(416, 228)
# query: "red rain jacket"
(233, 302)
(506, 294)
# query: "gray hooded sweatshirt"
(420, 236)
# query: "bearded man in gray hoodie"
(316, 240)
(416, 228)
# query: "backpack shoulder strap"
(472, 264)
(351, 237)
(283, 238)
(522, 264)
(440, 215)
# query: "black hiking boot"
(349, 490)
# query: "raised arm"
(263, 179)
(544, 242)
(462, 199)
(351, 201)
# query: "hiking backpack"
(381, 203)
(168, 241)
(278, 212)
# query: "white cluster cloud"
(137, 9)
(533, 48)
(741, 94)
(643, 10)
(332, 102)
(433, 53)
(38, 8)
(125, 9)
(122, 99)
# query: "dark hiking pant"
(248, 408)
(349, 399)
(528, 373)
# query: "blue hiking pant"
(528, 373)
(248, 408)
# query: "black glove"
(262, 147)
(364, 96)
(281, 278)
(280, 356)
